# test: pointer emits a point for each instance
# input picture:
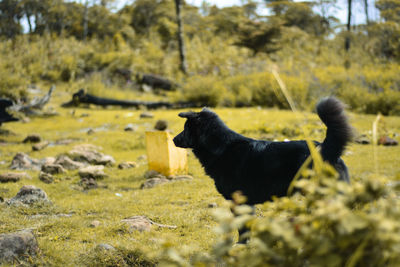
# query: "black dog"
(260, 169)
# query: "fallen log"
(81, 97)
(4, 115)
(35, 105)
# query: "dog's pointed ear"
(188, 115)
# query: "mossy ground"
(70, 241)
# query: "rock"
(95, 172)
(40, 146)
(142, 223)
(146, 115)
(15, 245)
(22, 161)
(13, 177)
(180, 177)
(161, 125)
(142, 158)
(90, 131)
(66, 141)
(151, 174)
(88, 183)
(27, 195)
(68, 163)
(94, 224)
(212, 205)
(46, 177)
(53, 168)
(32, 138)
(104, 247)
(127, 165)
(387, 141)
(89, 153)
(47, 160)
(130, 128)
(152, 182)
(362, 139)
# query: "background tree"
(182, 52)
(10, 16)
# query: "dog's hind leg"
(244, 231)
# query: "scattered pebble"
(161, 125)
(95, 172)
(127, 165)
(146, 115)
(18, 244)
(28, 195)
(32, 138)
(95, 224)
(12, 177)
(40, 146)
(130, 128)
(46, 177)
(53, 168)
(387, 141)
(142, 223)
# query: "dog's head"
(200, 130)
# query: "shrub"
(330, 224)
(206, 91)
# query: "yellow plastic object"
(163, 156)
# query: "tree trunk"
(85, 21)
(182, 53)
(347, 39)
(366, 12)
(28, 19)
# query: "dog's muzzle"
(180, 141)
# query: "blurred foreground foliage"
(326, 223)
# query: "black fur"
(260, 169)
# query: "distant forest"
(218, 56)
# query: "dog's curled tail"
(339, 132)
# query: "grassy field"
(70, 241)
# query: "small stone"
(27, 195)
(95, 172)
(142, 223)
(151, 174)
(94, 224)
(90, 131)
(180, 177)
(104, 247)
(387, 141)
(152, 182)
(68, 163)
(161, 125)
(146, 115)
(88, 153)
(130, 128)
(13, 177)
(127, 165)
(40, 146)
(53, 168)
(362, 139)
(88, 183)
(22, 161)
(32, 138)
(142, 158)
(212, 205)
(46, 177)
(15, 245)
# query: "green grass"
(69, 241)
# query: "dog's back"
(260, 169)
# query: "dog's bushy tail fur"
(339, 132)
